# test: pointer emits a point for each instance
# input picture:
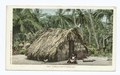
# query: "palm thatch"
(54, 45)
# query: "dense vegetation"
(95, 27)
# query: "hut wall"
(80, 50)
(63, 51)
(79, 46)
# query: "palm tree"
(105, 28)
(93, 28)
(25, 21)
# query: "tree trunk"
(93, 29)
(74, 18)
(71, 48)
(81, 30)
(89, 39)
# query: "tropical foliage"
(95, 26)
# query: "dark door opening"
(71, 48)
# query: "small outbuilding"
(57, 44)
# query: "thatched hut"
(57, 45)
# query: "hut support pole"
(71, 48)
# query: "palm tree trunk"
(74, 18)
(103, 44)
(89, 39)
(93, 29)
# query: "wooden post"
(71, 48)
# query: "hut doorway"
(71, 47)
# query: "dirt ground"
(99, 61)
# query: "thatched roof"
(48, 44)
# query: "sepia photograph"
(60, 37)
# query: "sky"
(53, 11)
(49, 11)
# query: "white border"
(10, 66)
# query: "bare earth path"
(22, 59)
